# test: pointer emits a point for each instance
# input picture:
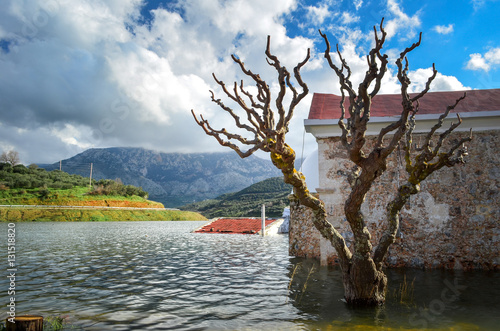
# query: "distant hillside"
(272, 192)
(34, 194)
(20, 185)
(173, 179)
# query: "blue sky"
(88, 73)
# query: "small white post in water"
(263, 220)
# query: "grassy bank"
(78, 196)
(14, 214)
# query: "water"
(160, 276)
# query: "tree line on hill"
(19, 176)
(272, 192)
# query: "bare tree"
(363, 277)
(364, 280)
(11, 157)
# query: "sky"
(79, 74)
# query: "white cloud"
(70, 135)
(477, 62)
(358, 4)
(440, 83)
(490, 60)
(444, 29)
(401, 23)
(348, 18)
(85, 74)
(46, 144)
(317, 15)
(478, 4)
(493, 56)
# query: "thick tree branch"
(285, 83)
(345, 83)
(264, 95)
(218, 135)
(418, 170)
(270, 136)
(438, 125)
(297, 97)
(427, 85)
(401, 126)
(373, 73)
(235, 117)
(382, 58)
(393, 210)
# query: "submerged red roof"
(327, 106)
(234, 225)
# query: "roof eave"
(478, 121)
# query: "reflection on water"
(159, 276)
(438, 299)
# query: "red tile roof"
(327, 106)
(234, 225)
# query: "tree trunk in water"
(364, 285)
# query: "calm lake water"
(160, 276)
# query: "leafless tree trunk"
(363, 277)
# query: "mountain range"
(174, 179)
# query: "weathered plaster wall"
(452, 223)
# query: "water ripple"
(159, 276)
(156, 276)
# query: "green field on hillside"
(36, 187)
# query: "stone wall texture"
(452, 223)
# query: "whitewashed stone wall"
(452, 223)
